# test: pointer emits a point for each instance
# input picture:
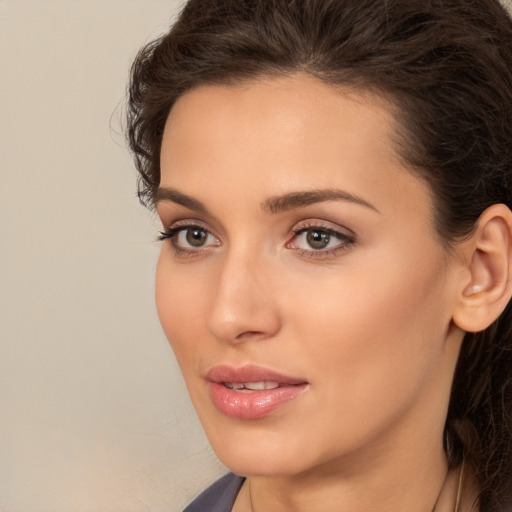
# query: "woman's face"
(300, 282)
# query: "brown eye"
(318, 239)
(189, 239)
(196, 237)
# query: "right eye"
(189, 238)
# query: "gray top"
(219, 497)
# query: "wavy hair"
(446, 67)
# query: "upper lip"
(249, 373)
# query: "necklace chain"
(441, 490)
(459, 487)
(459, 490)
(457, 499)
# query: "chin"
(258, 465)
(261, 453)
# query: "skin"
(367, 322)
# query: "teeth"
(252, 386)
(257, 386)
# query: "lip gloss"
(251, 392)
(253, 404)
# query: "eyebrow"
(173, 195)
(272, 205)
(294, 200)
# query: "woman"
(334, 181)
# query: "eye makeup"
(310, 239)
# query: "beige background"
(93, 413)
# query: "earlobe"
(487, 291)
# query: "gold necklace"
(459, 487)
(441, 490)
(457, 498)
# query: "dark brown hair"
(446, 67)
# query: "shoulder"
(219, 497)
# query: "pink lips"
(251, 392)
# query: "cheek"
(378, 322)
(178, 303)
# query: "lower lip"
(254, 404)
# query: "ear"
(486, 287)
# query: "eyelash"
(345, 241)
(172, 233)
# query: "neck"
(383, 488)
(415, 492)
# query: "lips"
(251, 392)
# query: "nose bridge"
(243, 306)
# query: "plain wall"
(93, 413)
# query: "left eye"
(318, 239)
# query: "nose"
(244, 305)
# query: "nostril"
(250, 335)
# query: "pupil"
(196, 237)
(317, 239)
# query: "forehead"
(271, 136)
(294, 107)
